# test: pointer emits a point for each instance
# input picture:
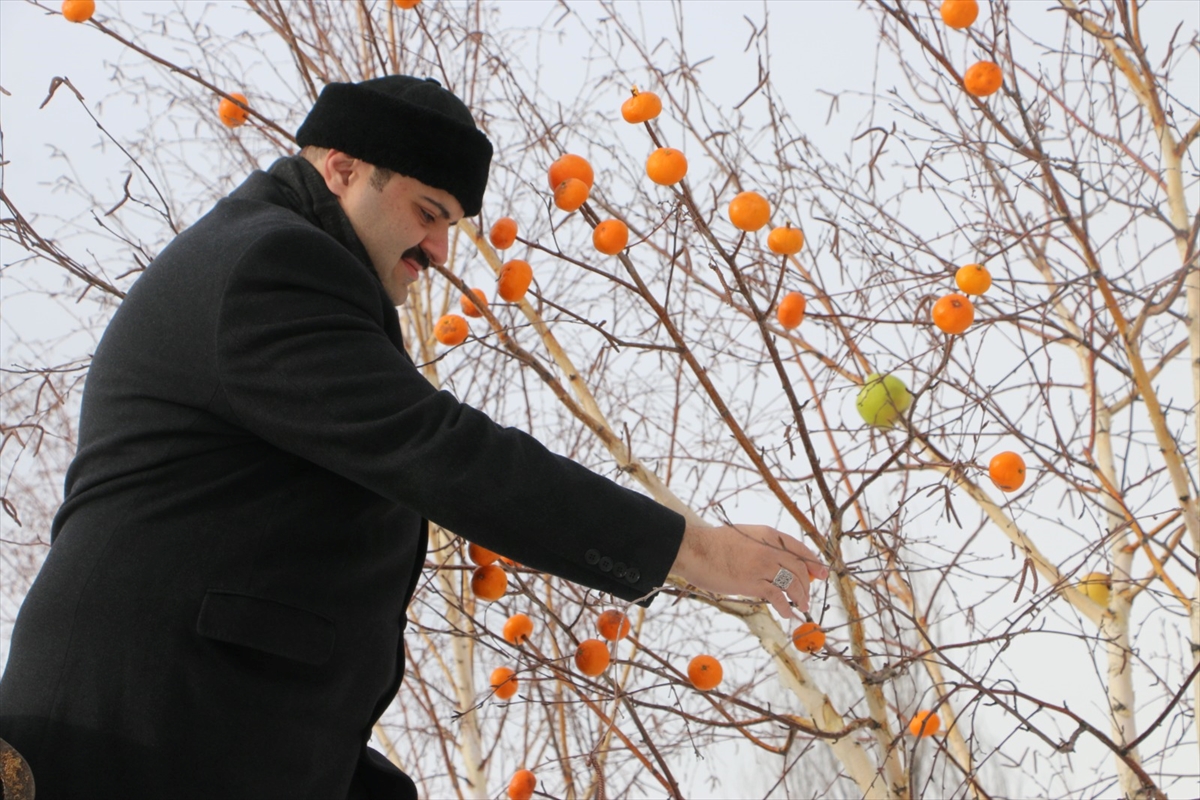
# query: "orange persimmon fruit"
(666, 166)
(705, 672)
(749, 211)
(982, 78)
(514, 280)
(786, 241)
(642, 107)
(791, 310)
(613, 625)
(610, 236)
(451, 329)
(517, 629)
(503, 233)
(959, 14)
(78, 10)
(973, 279)
(1007, 471)
(925, 723)
(233, 115)
(407, 4)
(471, 307)
(954, 313)
(809, 637)
(489, 582)
(592, 657)
(570, 166)
(504, 685)
(522, 785)
(480, 555)
(570, 194)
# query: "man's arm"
(306, 364)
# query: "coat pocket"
(267, 625)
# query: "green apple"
(882, 399)
(1096, 586)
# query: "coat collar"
(305, 192)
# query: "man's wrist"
(691, 548)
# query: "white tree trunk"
(1114, 627)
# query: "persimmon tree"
(957, 614)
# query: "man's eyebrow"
(440, 207)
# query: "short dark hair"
(379, 177)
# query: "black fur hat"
(409, 125)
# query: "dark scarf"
(309, 197)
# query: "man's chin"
(398, 286)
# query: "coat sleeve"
(305, 363)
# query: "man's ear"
(338, 169)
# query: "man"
(221, 612)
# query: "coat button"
(592, 557)
(619, 569)
(605, 564)
(632, 575)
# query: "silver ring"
(783, 578)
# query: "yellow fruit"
(882, 399)
(1098, 587)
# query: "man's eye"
(426, 216)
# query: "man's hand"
(743, 560)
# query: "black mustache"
(418, 255)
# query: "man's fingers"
(801, 601)
(812, 561)
(798, 591)
(818, 572)
(779, 601)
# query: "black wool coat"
(221, 610)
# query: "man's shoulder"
(252, 238)
(255, 215)
(260, 205)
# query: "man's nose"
(437, 245)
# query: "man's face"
(404, 226)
